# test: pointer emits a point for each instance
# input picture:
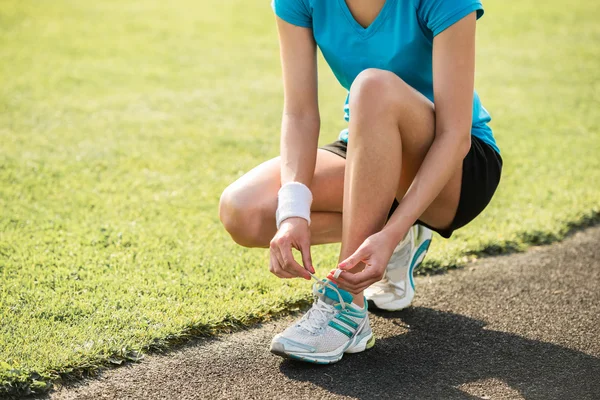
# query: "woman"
(417, 150)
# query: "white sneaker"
(396, 289)
(332, 327)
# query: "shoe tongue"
(331, 297)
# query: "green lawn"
(121, 123)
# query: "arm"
(299, 140)
(453, 81)
(301, 121)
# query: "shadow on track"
(442, 351)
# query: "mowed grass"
(122, 122)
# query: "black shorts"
(482, 167)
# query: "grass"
(121, 123)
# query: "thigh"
(262, 183)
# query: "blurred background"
(122, 121)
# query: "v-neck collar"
(372, 28)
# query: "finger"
(334, 275)
(363, 287)
(358, 280)
(359, 277)
(307, 258)
(273, 264)
(275, 250)
(276, 269)
(356, 288)
(352, 261)
(290, 265)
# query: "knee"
(377, 90)
(374, 88)
(243, 218)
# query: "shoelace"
(320, 312)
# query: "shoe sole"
(394, 305)
(406, 300)
(363, 344)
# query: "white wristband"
(294, 200)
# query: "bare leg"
(247, 207)
(392, 127)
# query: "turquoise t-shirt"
(399, 40)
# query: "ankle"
(359, 299)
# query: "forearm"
(443, 159)
(299, 141)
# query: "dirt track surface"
(524, 326)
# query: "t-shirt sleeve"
(439, 15)
(296, 12)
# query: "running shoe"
(333, 326)
(396, 290)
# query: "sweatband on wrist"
(293, 200)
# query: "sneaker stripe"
(355, 314)
(347, 321)
(340, 328)
(422, 248)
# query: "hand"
(375, 252)
(293, 232)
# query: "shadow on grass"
(443, 351)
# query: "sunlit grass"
(121, 123)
